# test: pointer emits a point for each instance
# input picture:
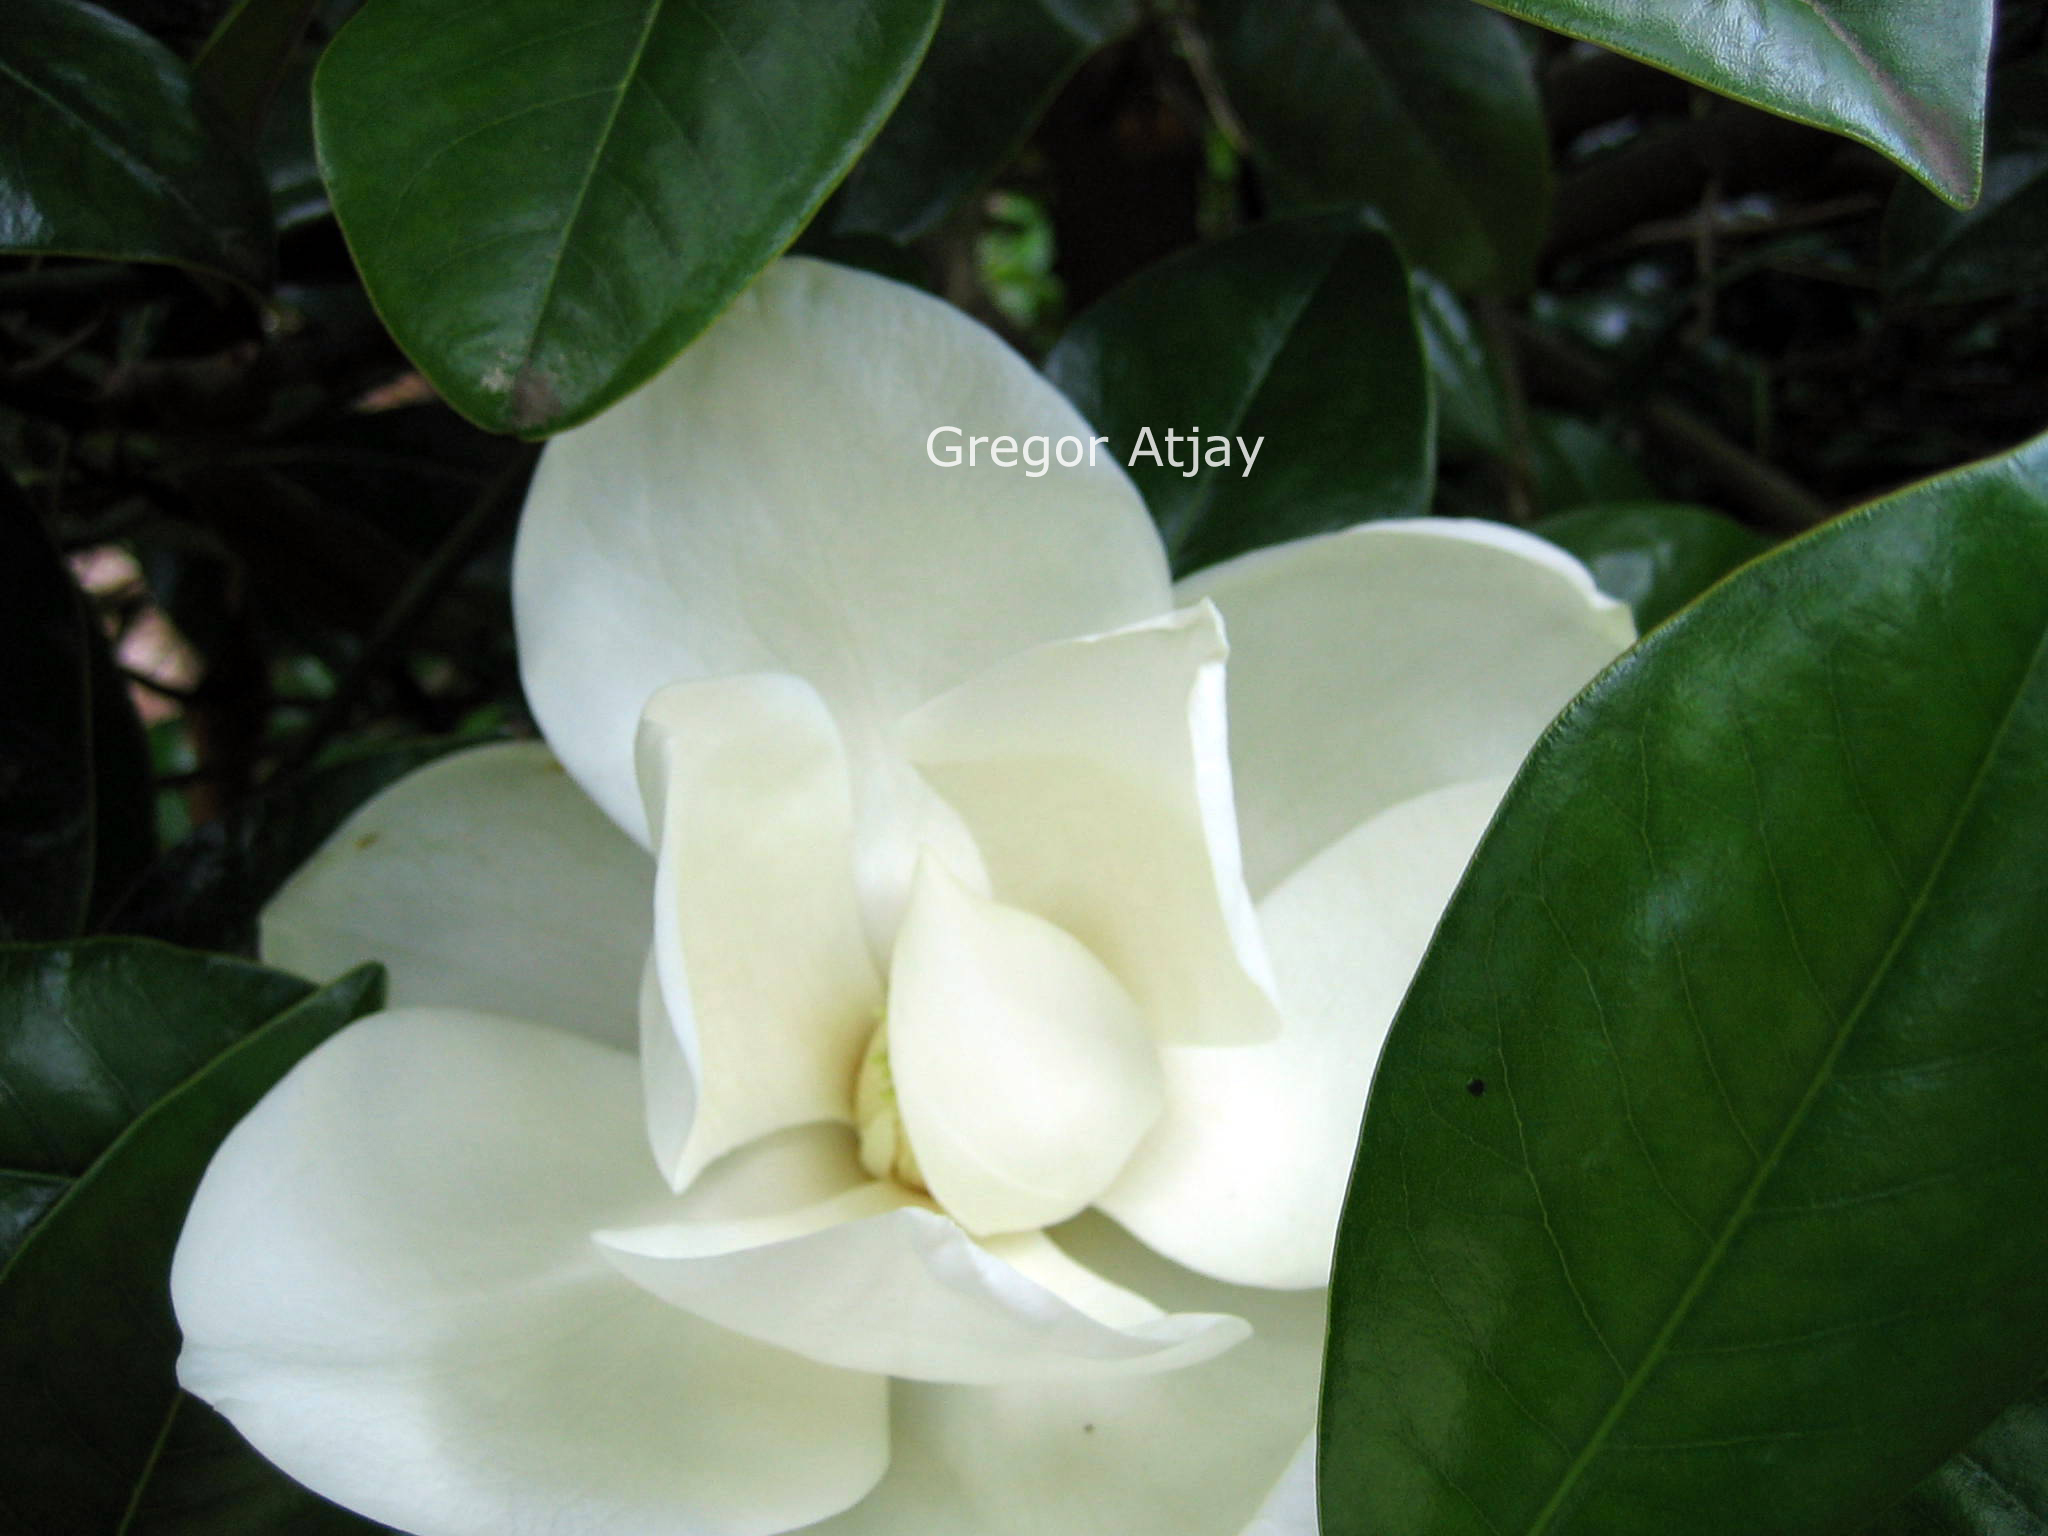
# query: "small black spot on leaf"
(1476, 1087)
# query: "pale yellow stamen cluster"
(885, 1150)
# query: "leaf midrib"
(138, 170)
(1707, 1269)
(600, 148)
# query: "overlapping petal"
(1191, 1453)
(388, 1285)
(874, 1281)
(484, 880)
(1244, 1176)
(767, 504)
(764, 992)
(1095, 776)
(1022, 1068)
(1373, 665)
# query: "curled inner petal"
(1022, 1068)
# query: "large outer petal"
(387, 1284)
(1094, 774)
(1244, 1176)
(1192, 1453)
(485, 880)
(874, 1282)
(1369, 666)
(766, 504)
(763, 989)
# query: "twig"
(1766, 494)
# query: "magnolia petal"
(387, 1285)
(485, 880)
(1372, 665)
(1244, 1176)
(1290, 1509)
(1095, 777)
(765, 988)
(767, 504)
(1194, 1453)
(872, 1281)
(1023, 1073)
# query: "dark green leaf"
(1934, 252)
(1704, 1184)
(105, 150)
(75, 817)
(1422, 109)
(547, 204)
(1299, 333)
(92, 1034)
(1471, 401)
(1573, 463)
(993, 67)
(1905, 77)
(1995, 1486)
(1656, 556)
(87, 1340)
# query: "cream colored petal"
(1193, 1453)
(1095, 777)
(1244, 1177)
(387, 1285)
(484, 880)
(767, 504)
(1373, 665)
(763, 992)
(1023, 1072)
(872, 1281)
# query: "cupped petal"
(386, 1283)
(485, 880)
(1024, 1076)
(1095, 777)
(1194, 1453)
(1244, 1176)
(871, 1280)
(1373, 665)
(763, 989)
(768, 504)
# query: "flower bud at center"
(884, 1144)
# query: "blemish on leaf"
(1477, 1087)
(535, 401)
(367, 840)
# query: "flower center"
(885, 1150)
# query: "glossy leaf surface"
(548, 205)
(1656, 556)
(1905, 77)
(92, 1033)
(87, 1339)
(1298, 332)
(1703, 1186)
(105, 149)
(1424, 110)
(993, 67)
(1472, 412)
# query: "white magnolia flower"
(952, 941)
